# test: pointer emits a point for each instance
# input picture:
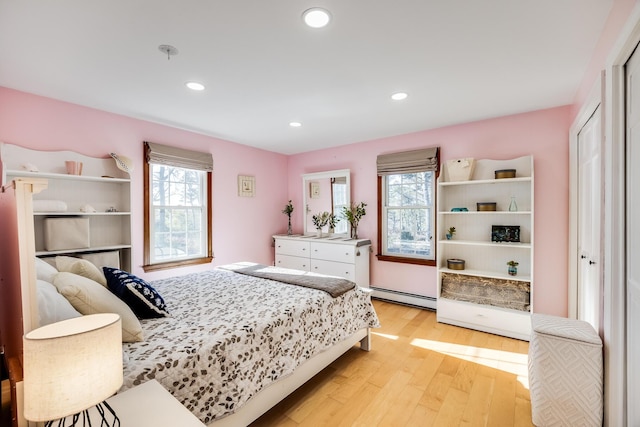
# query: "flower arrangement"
(354, 214)
(450, 232)
(288, 210)
(513, 263)
(333, 221)
(320, 219)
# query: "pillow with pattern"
(140, 296)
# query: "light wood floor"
(419, 373)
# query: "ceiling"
(459, 61)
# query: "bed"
(233, 388)
(231, 335)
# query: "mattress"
(230, 335)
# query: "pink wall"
(543, 134)
(242, 226)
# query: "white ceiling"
(459, 60)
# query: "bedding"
(334, 286)
(89, 297)
(230, 335)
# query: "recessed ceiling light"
(316, 17)
(399, 96)
(194, 85)
(295, 124)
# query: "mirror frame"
(307, 178)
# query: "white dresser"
(334, 256)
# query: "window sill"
(175, 264)
(406, 260)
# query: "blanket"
(333, 285)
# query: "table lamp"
(71, 366)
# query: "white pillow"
(52, 307)
(45, 271)
(81, 267)
(103, 259)
(89, 297)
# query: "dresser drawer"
(331, 268)
(292, 247)
(293, 262)
(333, 252)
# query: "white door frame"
(614, 223)
(594, 100)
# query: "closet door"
(590, 304)
(633, 239)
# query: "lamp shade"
(72, 365)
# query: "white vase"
(319, 233)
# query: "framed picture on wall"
(246, 186)
(314, 190)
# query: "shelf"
(84, 250)
(20, 173)
(521, 245)
(489, 274)
(81, 213)
(486, 181)
(486, 213)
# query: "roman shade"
(178, 157)
(426, 159)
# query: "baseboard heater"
(420, 301)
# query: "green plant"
(320, 219)
(354, 213)
(333, 220)
(288, 210)
(512, 263)
(452, 230)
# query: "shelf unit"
(486, 260)
(102, 186)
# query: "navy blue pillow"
(140, 296)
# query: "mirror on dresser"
(326, 191)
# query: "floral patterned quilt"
(230, 335)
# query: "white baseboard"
(404, 298)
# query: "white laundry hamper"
(565, 372)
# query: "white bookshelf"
(486, 260)
(102, 186)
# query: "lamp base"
(104, 409)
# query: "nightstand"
(148, 405)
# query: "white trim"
(614, 224)
(594, 100)
(405, 298)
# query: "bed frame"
(19, 314)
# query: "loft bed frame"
(19, 311)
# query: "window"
(177, 207)
(406, 199)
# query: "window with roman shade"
(406, 203)
(177, 207)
